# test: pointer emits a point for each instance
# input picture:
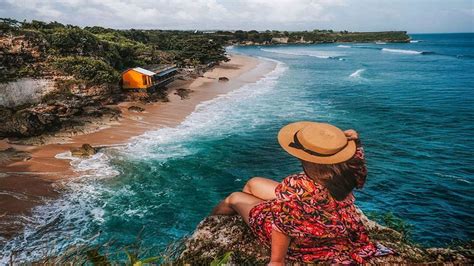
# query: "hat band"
(297, 145)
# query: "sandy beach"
(25, 184)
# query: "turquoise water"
(412, 104)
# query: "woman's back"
(321, 228)
(310, 216)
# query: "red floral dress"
(321, 228)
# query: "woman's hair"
(341, 178)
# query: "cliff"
(55, 76)
(314, 37)
(217, 236)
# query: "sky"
(414, 16)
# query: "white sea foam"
(344, 46)
(380, 43)
(78, 207)
(401, 51)
(414, 41)
(213, 117)
(65, 222)
(311, 53)
(357, 73)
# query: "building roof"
(144, 71)
(167, 71)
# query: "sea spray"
(64, 222)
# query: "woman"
(309, 216)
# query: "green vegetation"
(95, 71)
(315, 36)
(37, 48)
(391, 221)
(223, 260)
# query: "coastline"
(30, 182)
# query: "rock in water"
(223, 79)
(13, 155)
(85, 150)
(218, 235)
(136, 109)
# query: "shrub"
(92, 70)
(73, 42)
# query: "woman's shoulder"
(297, 185)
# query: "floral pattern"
(321, 228)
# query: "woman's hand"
(351, 134)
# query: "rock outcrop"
(280, 40)
(25, 91)
(223, 79)
(136, 109)
(13, 155)
(183, 93)
(85, 150)
(26, 122)
(218, 235)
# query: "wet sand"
(27, 183)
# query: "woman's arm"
(280, 243)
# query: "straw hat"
(316, 142)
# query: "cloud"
(359, 15)
(181, 14)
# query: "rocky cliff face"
(65, 103)
(218, 235)
(24, 91)
(34, 99)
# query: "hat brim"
(286, 136)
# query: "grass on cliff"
(394, 222)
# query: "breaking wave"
(401, 51)
(73, 219)
(317, 54)
(357, 73)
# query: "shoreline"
(27, 183)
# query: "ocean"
(412, 103)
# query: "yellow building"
(140, 78)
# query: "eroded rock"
(85, 150)
(223, 79)
(13, 155)
(183, 93)
(217, 235)
(136, 109)
(26, 122)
